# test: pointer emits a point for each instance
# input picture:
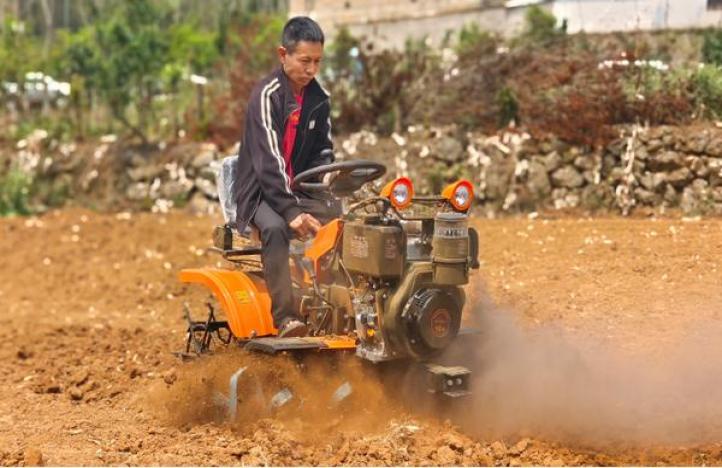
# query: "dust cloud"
(546, 383)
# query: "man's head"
(301, 50)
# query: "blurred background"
(110, 103)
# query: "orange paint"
(325, 241)
(243, 297)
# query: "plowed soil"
(599, 344)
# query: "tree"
(134, 54)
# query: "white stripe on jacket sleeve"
(271, 135)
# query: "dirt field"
(599, 345)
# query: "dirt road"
(599, 347)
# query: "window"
(714, 4)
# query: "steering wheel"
(350, 176)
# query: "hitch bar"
(452, 381)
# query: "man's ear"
(282, 53)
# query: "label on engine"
(390, 248)
(359, 247)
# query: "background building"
(390, 22)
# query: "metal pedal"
(273, 345)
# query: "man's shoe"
(293, 328)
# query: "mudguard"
(243, 297)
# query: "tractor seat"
(223, 236)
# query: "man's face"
(303, 64)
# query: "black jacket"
(261, 170)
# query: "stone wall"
(644, 169)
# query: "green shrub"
(706, 85)
(712, 47)
(540, 27)
(14, 193)
(508, 106)
(475, 41)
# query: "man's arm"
(267, 160)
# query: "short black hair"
(300, 28)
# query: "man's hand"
(328, 178)
(305, 225)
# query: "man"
(287, 129)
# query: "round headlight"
(400, 194)
(462, 195)
(459, 194)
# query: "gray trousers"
(275, 241)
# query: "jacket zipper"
(305, 129)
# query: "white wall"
(390, 22)
(629, 15)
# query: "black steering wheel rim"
(345, 182)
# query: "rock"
(585, 162)
(647, 197)
(138, 191)
(552, 161)
(714, 147)
(498, 176)
(207, 153)
(498, 449)
(670, 195)
(617, 147)
(24, 354)
(696, 142)
(453, 441)
(641, 153)
(609, 162)
(598, 196)
(571, 155)
(75, 393)
(700, 186)
(145, 172)
(445, 456)
(665, 161)
(716, 194)
(715, 171)
(519, 447)
(176, 189)
(652, 181)
(654, 145)
(79, 377)
(698, 165)
(538, 180)
(567, 177)
(33, 457)
(690, 203)
(448, 149)
(206, 187)
(679, 177)
(483, 459)
(53, 388)
(170, 376)
(199, 204)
